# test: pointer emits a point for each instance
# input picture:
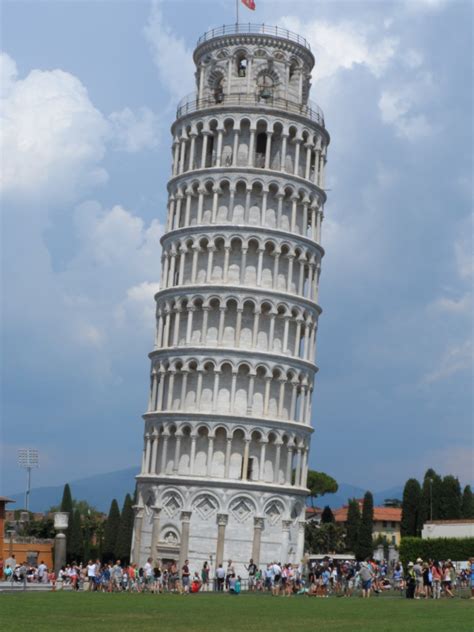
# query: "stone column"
(286, 524)
(137, 534)
(245, 463)
(227, 457)
(210, 454)
(258, 526)
(263, 446)
(251, 147)
(221, 525)
(192, 457)
(155, 531)
(236, 147)
(154, 452)
(268, 150)
(177, 452)
(184, 547)
(276, 473)
(283, 152)
(300, 540)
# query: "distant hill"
(99, 490)
(346, 491)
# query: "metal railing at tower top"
(256, 29)
(190, 103)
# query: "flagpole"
(237, 10)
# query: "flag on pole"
(250, 4)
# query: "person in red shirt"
(195, 584)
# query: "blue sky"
(88, 95)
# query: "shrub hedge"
(456, 549)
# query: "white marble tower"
(228, 424)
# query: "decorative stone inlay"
(206, 506)
(241, 509)
(274, 512)
(171, 505)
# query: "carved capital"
(222, 520)
(259, 523)
(186, 516)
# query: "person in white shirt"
(276, 569)
(148, 573)
(42, 572)
(91, 573)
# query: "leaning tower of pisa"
(228, 425)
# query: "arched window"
(242, 65)
(260, 150)
(219, 90)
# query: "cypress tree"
(76, 549)
(365, 544)
(327, 516)
(451, 498)
(410, 524)
(125, 531)
(110, 532)
(352, 525)
(467, 507)
(67, 506)
(430, 497)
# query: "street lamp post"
(28, 459)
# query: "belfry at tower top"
(253, 64)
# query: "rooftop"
(380, 514)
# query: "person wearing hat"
(410, 581)
(418, 569)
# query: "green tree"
(325, 538)
(411, 505)
(124, 535)
(430, 497)
(110, 532)
(467, 506)
(319, 484)
(76, 545)
(67, 506)
(352, 525)
(451, 498)
(364, 547)
(327, 515)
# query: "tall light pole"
(28, 459)
(431, 499)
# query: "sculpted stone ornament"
(228, 421)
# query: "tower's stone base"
(214, 523)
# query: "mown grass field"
(223, 613)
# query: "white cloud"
(462, 305)
(455, 359)
(8, 73)
(134, 131)
(344, 46)
(463, 252)
(53, 137)
(172, 58)
(425, 5)
(138, 309)
(402, 107)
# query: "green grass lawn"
(222, 613)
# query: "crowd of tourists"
(319, 578)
